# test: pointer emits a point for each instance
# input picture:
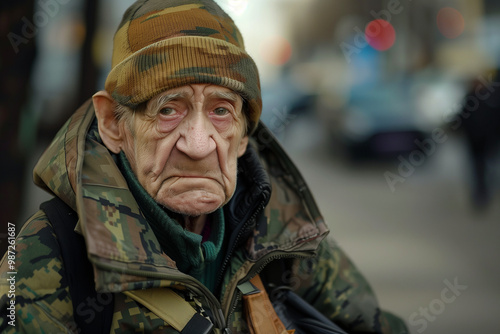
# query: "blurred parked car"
(378, 121)
(282, 102)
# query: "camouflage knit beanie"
(163, 44)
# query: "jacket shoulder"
(41, 294)
(335, 287)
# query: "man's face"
(184, 147)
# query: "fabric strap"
(173, 309)
(259, 312)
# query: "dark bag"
(296, 313)
(293, 311)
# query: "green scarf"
(192, 257)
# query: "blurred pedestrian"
(481, 125)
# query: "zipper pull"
(247, 288)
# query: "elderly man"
(170, 196)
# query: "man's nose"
(196, 140)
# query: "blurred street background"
(390, 108)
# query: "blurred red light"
(380, 34)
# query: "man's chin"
(193, 206)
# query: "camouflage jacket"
(125, 254)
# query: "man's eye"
(167, 111)
(221, 111)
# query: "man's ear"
(243, 146)
(104, 106)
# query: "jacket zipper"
(238, 237)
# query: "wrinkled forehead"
(198, 91)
